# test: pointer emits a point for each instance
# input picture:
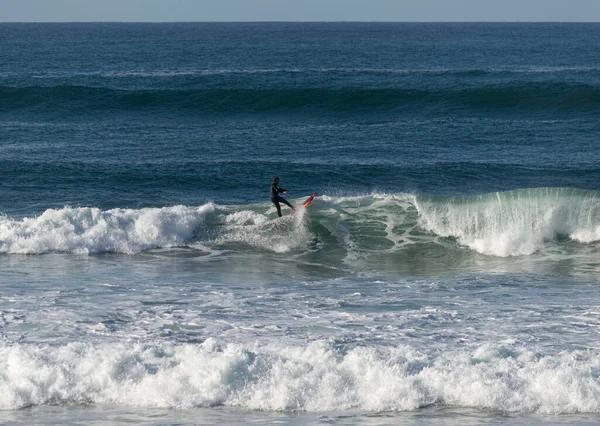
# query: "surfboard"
(310, 199)
(305, 204)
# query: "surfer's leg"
(277, 206)
(284, 201)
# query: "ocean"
(448, 271)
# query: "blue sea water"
(448, 271)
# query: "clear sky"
(299, 10)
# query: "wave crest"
(516, 222)
(538, 99)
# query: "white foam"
(262, 231)
(315, 377)
(501, 224)
(91, 230)
(517, 222)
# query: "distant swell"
(527, 98)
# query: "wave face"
(315, 377)
(353, 231)
(517, 222)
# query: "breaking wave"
(343, 229)
(317, 377)
(516, 222)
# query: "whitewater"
(513, 223)
(349, 329)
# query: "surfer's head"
(276, 179)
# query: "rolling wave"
(191, 72)
(524, 98)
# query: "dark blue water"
(447, 270)
(131, 115)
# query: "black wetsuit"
(276, 199)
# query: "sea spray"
(261, 231)
(514, 223)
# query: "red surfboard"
(309, 199)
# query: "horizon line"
(300, 22)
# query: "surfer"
(276, 199)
